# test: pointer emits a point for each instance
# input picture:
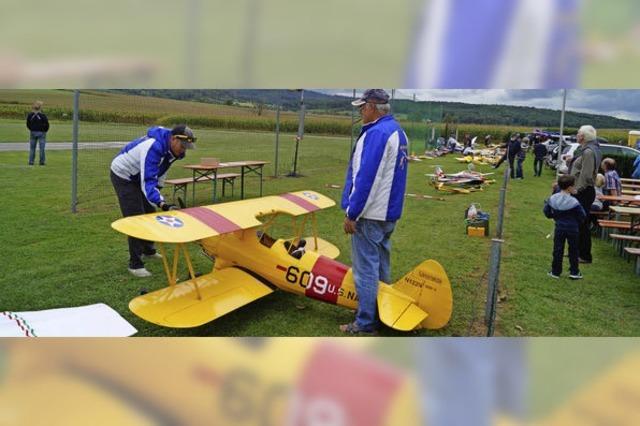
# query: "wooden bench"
(606, 225)
(631, 186)
(594, 215)
(619, 241)
(629, 180)
(181, 184)
(634, 252)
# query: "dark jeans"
(34, 139)
(133, 202)
(513, 170)
(558, 252)
(519, 168)
(537, 166)
(511, 159)
(585, 198)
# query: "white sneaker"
(140, 272)
(152, 256)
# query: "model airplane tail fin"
(429, 286)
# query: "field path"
(61, 146)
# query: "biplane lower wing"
(398, 310)
(183, 305)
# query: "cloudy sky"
(617, 103)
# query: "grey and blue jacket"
(377, 173)
(565, 210)
(146, 161)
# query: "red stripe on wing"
(300, 202)
(214, 220)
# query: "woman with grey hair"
(585, 168)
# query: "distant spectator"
(487, 140)
(452, 143)
(38, 125)
(467, 140)
(612, 183)
(521, 156)
(568, 215)
(598, 205)
(539, 151)
(636, 168)
(513, 148)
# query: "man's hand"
(349, 226)
(166, 207)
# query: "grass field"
(56, 259)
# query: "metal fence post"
(74, 152)
(299, 137)
(561, 140)
(275, 171)
(496, 257)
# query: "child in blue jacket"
(567, 212)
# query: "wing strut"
(172, 276)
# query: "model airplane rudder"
(429, 285)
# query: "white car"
(607, 150)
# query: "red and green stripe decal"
(21, 323)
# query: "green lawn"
(56, 259)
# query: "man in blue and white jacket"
(372, 199)
(137, 175)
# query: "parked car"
(618, 152)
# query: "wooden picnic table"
(632, 212)
(207, 171)
(620, 199)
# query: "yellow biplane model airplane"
(249, 264)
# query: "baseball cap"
(185, 134)
(374, 96)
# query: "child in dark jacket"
(567, 212)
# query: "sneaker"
(352, 328)
(552, 275)
(140, 272)
(577, 276)
(152, 256)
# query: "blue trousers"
(34, 138)
(370, 254)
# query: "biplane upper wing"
(196, 223)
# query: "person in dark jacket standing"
(584, 168)
(568, 214)
(137, 174)
(373, 198)
(513, 149)
(38, 125)
(539, 152)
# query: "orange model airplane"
(249, 264)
